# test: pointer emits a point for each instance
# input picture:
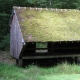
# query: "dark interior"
(67, 47)
(53, 48)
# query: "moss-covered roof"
(42, 24)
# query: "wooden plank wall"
(16, 38)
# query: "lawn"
(9, 71)
(62, 71)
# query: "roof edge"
(47, 9)
(11, 17)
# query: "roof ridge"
(47, 9)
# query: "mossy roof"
(42, 24)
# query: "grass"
(9, 71)
(42, 25)
(62, 71)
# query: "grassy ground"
(60, 72)
(6, 58)
(9, 71)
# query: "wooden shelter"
(37, 33)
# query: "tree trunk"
(50, 3)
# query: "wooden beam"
(49, 56)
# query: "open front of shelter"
(38, 33)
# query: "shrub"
(4, 44)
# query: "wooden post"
(19, 62)
(77, 60)
(50, 47)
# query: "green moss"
(42, 25)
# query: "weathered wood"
(22, 51)
(16, 43)
(49, 46)
(48, 56)
(19, 62)
(41, 51)
(78, 60)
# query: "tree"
(38, 3)
(68, 4)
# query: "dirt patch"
(6, 58)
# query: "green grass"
(41, 45)
(63, 71)
(49, 25)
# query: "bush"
(4, 44)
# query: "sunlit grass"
(62, 77)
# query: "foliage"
(38, 3)
(55, 3)
(5, 42)
(69, 4)
(4, 30)
(41, 45)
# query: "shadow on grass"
(48, 62)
